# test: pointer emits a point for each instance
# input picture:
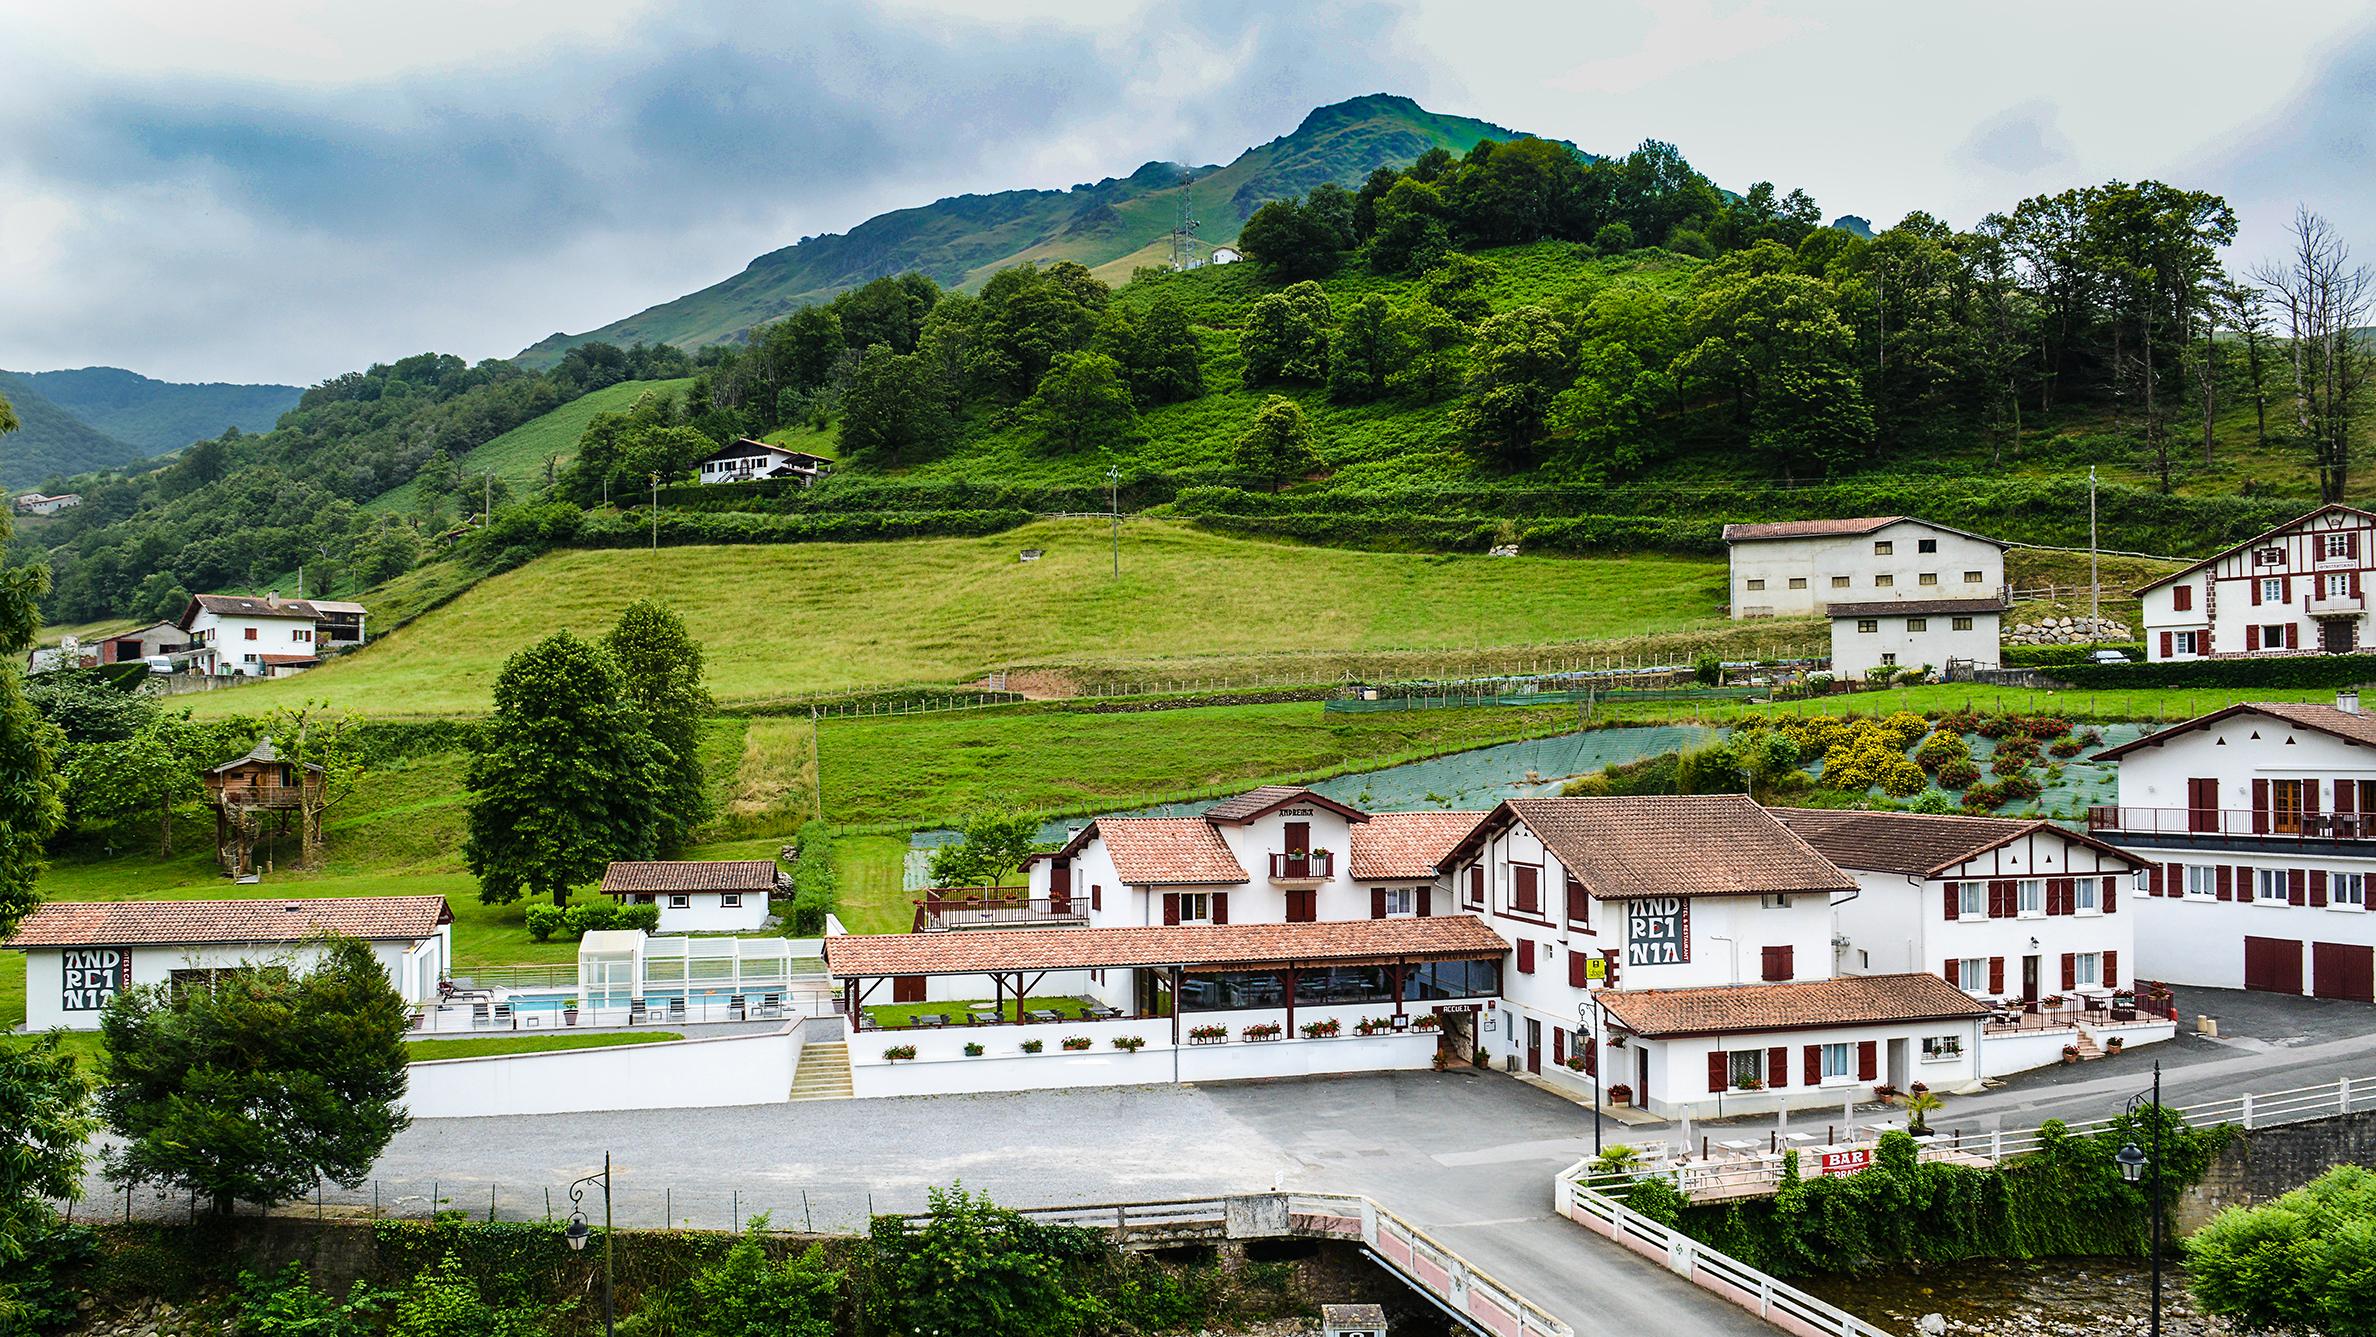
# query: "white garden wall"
(673, 1074)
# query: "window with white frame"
(2272, 589)
(1959, 624)
(1773, 901)
(1971, 974)
(1926, 545)
(2033, 896)
(1798, 582)
(1883, 548)
(2334, 545)
(1890, 658)
(1971, 900)
(2268, 557)
(730, 900)
(1918, 624)
(1940, 1048)
(2084, 969)
(2186, 642)
(1196, 907)
(680, 902)
(2202, 881)
(1974, 577)
(1839, 582)
(1884, 581)
(1748, 1067)
(1757, 584)
(2083, 895)
(1927, 578)
(1401, 901)
(1868, 624)
(2268, 884)
(2335, 585)
(1839, 1061)
(2347, 891)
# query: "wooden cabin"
(241, 792)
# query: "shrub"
(1986, 796)
(1941, 748)
(1933, 801)
(1077, 1042)
(1034, 1046)
(815, 885)
(1901, 778)
(973, 1049)
(645, 916)
(1130, 1044)
(2020, 786)
(897, 1052)
(2065, 747)
(590, 917)
(544, 920)
(2008, 763)
(1958, 774)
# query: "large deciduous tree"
(1278, 446)
(2324, 298)
(564, 777)
(44, 1121)
(321, 742)
(661, 664)
(31, 808)
(1521, 360)
(1289, 241)
(1364, 354)
(1285, 337)
(260, 1084)
(1081, 405)
(994, 841)
(896, 410)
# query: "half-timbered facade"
(2300, 588)
(2007, 910)
(2257, 826)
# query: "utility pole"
(2095, 585)
(1114, 512)
(655, 512)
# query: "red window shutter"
(2167, 651)
(1097, 896)
(2345, 795)
(1771, 958)
(2058, 895)
(1171, 907)
(1526, 959)
(2226, 883)
(2174, 880)
(2310, 797)
(2351, 544)
(1220, 907)
(2355, 593)
(2318, 886)
(1476, 884)
(1996, 975)
(1559, 1044)
(2111, 970)
(1577, 964)
(2297, 887)
(1952, 889)
(1952, 974)
(1868, 1059)
(2287, 589)
(2255, 584)
(2293, 634)
(1778, 1067)
(1526, 894)
(2153, 880)
(1377, 902)
(1814, 1065)
(1719, 1071)
(2181, 599)
(1789, 964)
(2252, 633)
(2070, 963)
(1423, 900)
(2260, 807)
(1579, 905)
(2111, 895)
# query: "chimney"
(272, 598)
(2347, 700)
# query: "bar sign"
(92, 975)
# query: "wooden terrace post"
(1176, 973)
(1290, 976)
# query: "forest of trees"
(1812, 349)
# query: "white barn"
(1798, 568)
(79, 954)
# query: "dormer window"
(2268, 556)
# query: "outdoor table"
(934, 1019)
(1104, 1013)
(1801, 1138)
(981, 1012)
(1041, 1014)
(1742, 1144)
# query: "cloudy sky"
(283, 191)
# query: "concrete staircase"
(824, 1073)
(2089, 1050)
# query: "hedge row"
(1470, 532)
(2290, 671)
(2044, 656)
(815, 884)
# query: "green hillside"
(1110, 226)
(51, 440)
(784, 622)
(518, 456)
(161, 416)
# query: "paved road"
(1466, 1156)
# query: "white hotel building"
(2301, 588)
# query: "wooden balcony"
(1302, 870)
(2113, 821)
(937, 912)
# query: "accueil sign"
(92, 975)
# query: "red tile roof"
(1403, 846)
(108, 923)
(1802, 1005)
(2255, 541)
(1807, 529)
(286, 659)
(1165, 851)
(1344, 942)
(1255, 802)
(1918, 844)
(689, 875)
(1686, 845)
(2350, 726)
(1915, 607)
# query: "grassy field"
(518, 456)
(481, 1046)
(780, 622)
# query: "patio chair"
(638, 1013)
(503, 1016)
(676, 1009)
(478, 1015)
(771, 1005)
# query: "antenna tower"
(1184, 245)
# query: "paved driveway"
(1467, 1156)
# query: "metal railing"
(961, 912)
(1318, 865)
(2344, 1095)
(2123, 819)
(1711, 1269)
(480, 1015)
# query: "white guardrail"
(1795, 1311)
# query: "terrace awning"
(1193, 946)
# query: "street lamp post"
(1584, 1011)
(577, 1232)
(2147, 1164)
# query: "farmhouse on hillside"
(1900, 592)
(78, 955)
(239, 635)
(2298, 589)
(747, 459)
(696, 895)
(35, 503)
(2257, 825)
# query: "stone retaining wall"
(2270, 1162)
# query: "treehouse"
(246, 794)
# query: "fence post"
(2343, 1093)
(2248, 1111)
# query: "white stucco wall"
(673, 1074)
(1854, 653)
(226, 646)
(1898, 924)
(1679, 1067)
(706, 912)
(2223, 590)
(2200, 940)
(414, 967)
(1818, 561)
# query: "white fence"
(2344, 1095)
(669, 1074)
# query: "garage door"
(2341, 970)
(2273, 965)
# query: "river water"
(2055, 1297)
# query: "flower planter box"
(1260, 1033)
(1034, 1046)
(898, 1052)
(1076, 1043)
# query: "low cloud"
(2019, 141)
